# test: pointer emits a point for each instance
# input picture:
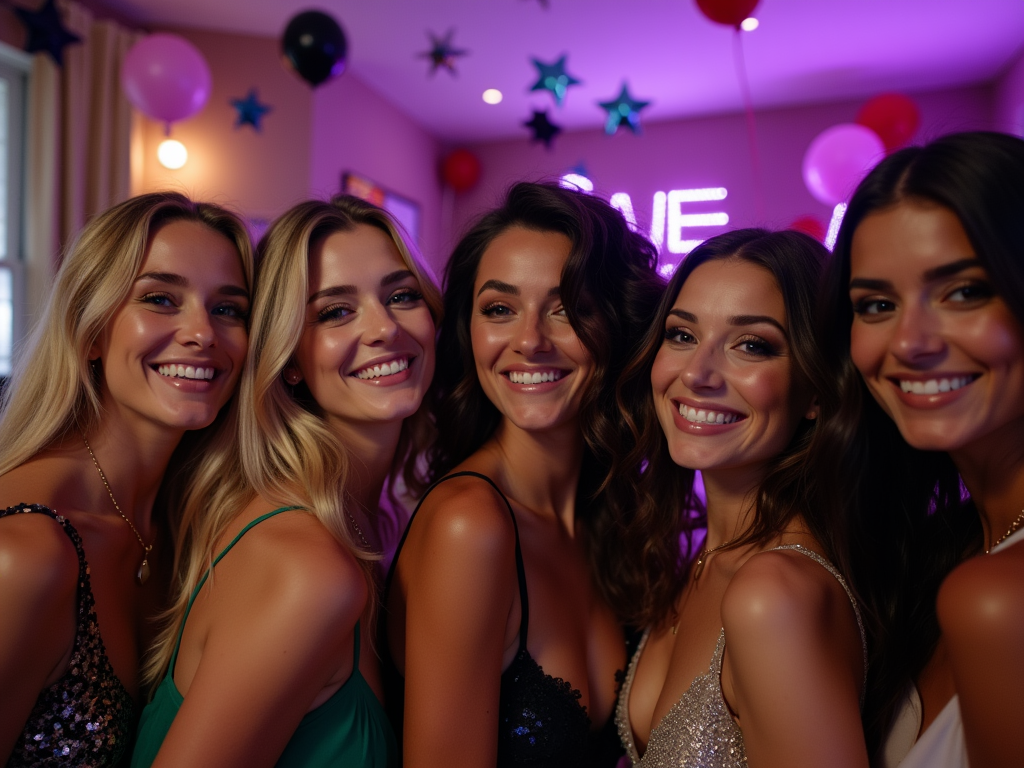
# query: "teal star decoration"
(554, 78)
(543, 129)
(46, 32)
(250, 110)
(442, 53)
(622, 110)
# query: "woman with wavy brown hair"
(753, 651)
(127, 381)
(495, 609)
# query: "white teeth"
(934, 386)
(383, 369)
(523, 377)
(706, 417)
(185, 372)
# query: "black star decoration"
(543, 129)
(46, 32)
(623, 110)
(442, 53)
(554, 78)
(250, 110)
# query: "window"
(14, 67)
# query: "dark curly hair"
(911, 521)
(609, 288)
(657, 544)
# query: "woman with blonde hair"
(261, 663)
(143, 339)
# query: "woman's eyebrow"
(500, 287)
(164, 277)
(690, 318)
(755, 319)
(948, 270)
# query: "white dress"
(942, 745)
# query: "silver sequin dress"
(698, 731)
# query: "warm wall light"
(749, 24)
(172, 154)
(492, 96)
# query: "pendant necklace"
(143, 572)
(698, 568)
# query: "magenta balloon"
(837, 160)
(166, 77)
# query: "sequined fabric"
(541, 722)
(698, 731)
(85, 718)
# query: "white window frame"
(16, 67)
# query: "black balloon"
(314, 45)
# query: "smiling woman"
(144, 338)
(923, 317)
(260, 662)
(500, 646)
(753, 650)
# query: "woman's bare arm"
(793, 654)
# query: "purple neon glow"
(621, 202)
(577, 181)
(833, 226)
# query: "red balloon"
(460, 170)
(731, 12)
(809, 225)
(893, 116)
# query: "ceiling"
(804, 51)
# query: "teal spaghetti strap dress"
(349, 729)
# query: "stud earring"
(292, 377)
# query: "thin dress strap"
(355, 653)
(202, 581)
(524, 599)
(849, 593)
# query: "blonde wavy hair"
(285, 450)
(54, 391)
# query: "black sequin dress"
(86, 717)
(541, 723)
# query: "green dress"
(349, 729)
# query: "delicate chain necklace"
(1009, 532)
(143, 572)
(359, 531)
(698, 569)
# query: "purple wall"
(1009, 100)
(705, 152)
(355, 129)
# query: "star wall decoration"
(46, 31)
(543, 129)
(622, 110)
(250, 110)
(554, 78)
(442, 53)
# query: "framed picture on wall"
(402, 208)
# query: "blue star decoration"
(250, 110)
(554, 78)
(543, 129)
(442, 53)
(623, 110)
(46, 32)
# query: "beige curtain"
(78, 142)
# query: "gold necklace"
(143, 572)
(1009, 532)
(698, 568)
(359, 531)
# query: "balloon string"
(748, 104)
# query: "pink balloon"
(166, 77)
(837, 160)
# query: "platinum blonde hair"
(54, 390)
(285, 450)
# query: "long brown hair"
(609, 289)
(656, 544)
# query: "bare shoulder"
(984, 598)
(466, 513)
(292, 566)
(38, 562)
(779, 592)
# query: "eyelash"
(675, 335)
(406, 296)
(762, 348)
(494, 308)
(984, 289)
(153, 298)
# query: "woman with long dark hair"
(126, 385)
(753, 650)
(923, 316)
(495, 609)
